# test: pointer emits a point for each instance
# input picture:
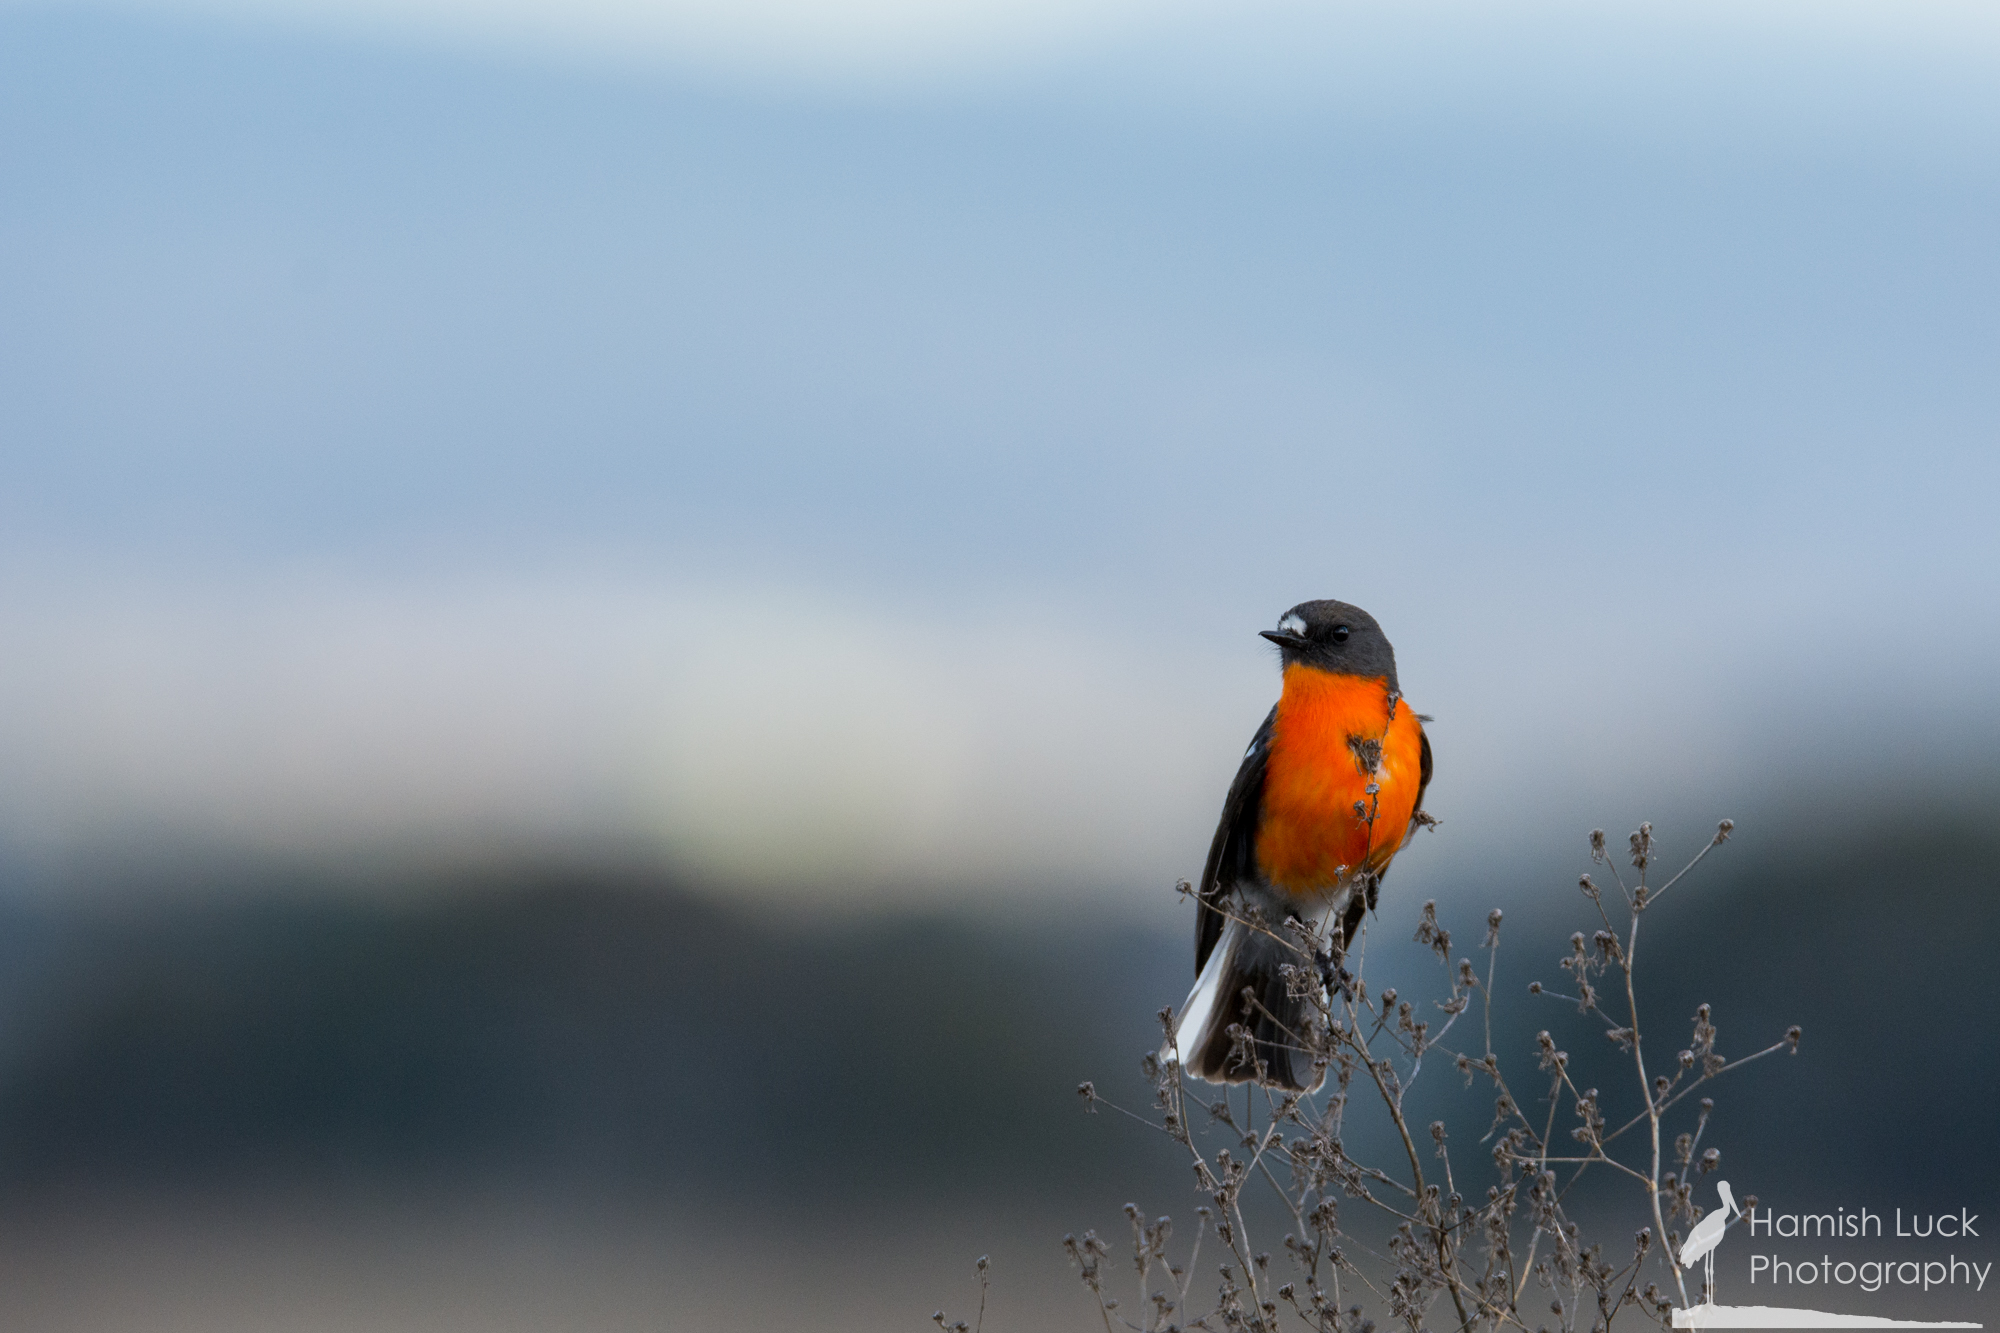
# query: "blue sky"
(851, 449)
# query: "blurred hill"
(567, 1029)
(1876, 934)
(1871, 927)
(608, 1032)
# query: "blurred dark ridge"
(593, 1030)
(1874, 932)
(606, 1031)
(1877, 937)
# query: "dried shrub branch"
(1403, 1241)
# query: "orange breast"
(1325, 739)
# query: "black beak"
(1284, 638)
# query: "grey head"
(1334, 636)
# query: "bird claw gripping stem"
(1337, 979)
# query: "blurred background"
(619, 616)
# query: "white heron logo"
(1707, 1234)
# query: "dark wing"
(1423, 773)
(1232, 857)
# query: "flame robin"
(1332, 785)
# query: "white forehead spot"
(1293, 623)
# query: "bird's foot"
(1336, 979)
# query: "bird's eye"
(1340, 633)
(1293, 623)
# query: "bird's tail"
(1270, 1050)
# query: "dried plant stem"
(1646, 1091)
